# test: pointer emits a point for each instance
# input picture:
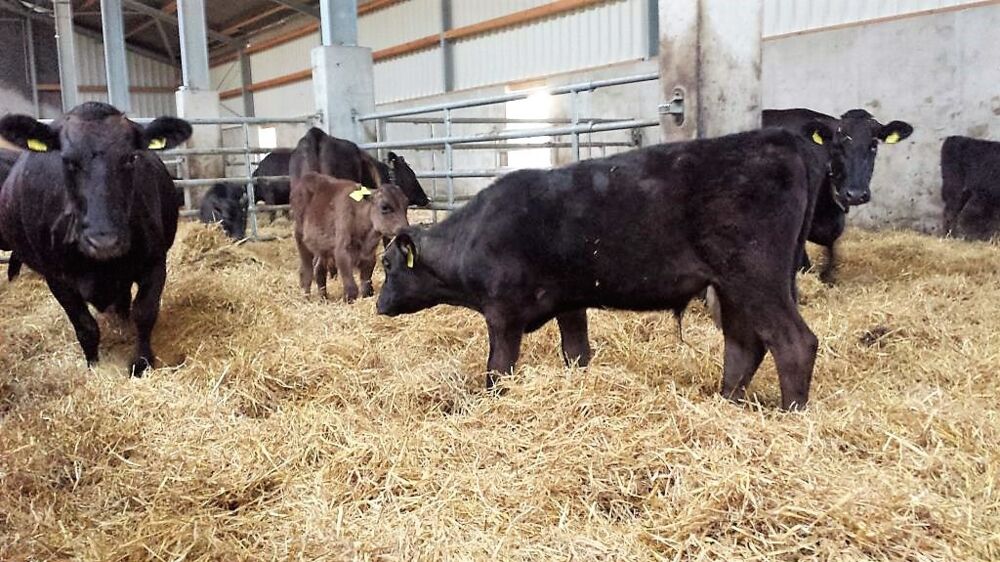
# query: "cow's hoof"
(736, 396)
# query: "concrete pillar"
(68, 82)
(115, 62)
(343, 80)
(710, 55)
(339, 22)
(195, 98)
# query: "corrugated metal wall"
(607, 33)
(142, 71)
(602, 34)
(790, 16)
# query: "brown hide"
(336, 233)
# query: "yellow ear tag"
(409, 258)
(37, 145)
(158, 143)
(360, 193)
(817, 138)
(893, 138)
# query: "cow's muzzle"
(102, 245)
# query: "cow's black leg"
(366, 267)
(87, 332)
(122, 307)
(805, 264)
(829, 272)
(793, 345)
(743, 351)
(573, 332)
(305, 264)
(505, 346)
(145, 313)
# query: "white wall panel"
(290, 57)
(291, 100)
(410, 76)
(594, 36)
(402, 23)
(790, 16)
(142, 72)
(468, 12)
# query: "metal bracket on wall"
(675, 106)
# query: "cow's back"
(326, 206)
(669, 212)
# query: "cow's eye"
(385, 263)
(386, 209)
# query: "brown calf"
(338, 224)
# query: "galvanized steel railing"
(573, 127)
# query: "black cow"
(970, 174)
(273, 192)
(93, 211)
(340, 158)
(7, 160)
(643, 230)
(226, 203)
(856, 137)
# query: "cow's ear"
(408, 246)
(165, 133)
(895, 132)
(26, 132)
(817, 132)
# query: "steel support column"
(339, 22)
(447, 54)
(194, 44)
(115, 63)
(710, 61)
(246, 79)
(29, 31)
(68, 82)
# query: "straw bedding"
(281, 428)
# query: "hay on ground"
(282, 428)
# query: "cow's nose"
(858, 197)
(101, 241)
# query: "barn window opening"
(267, 137)
(535, 106)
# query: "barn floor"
(281, 428)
